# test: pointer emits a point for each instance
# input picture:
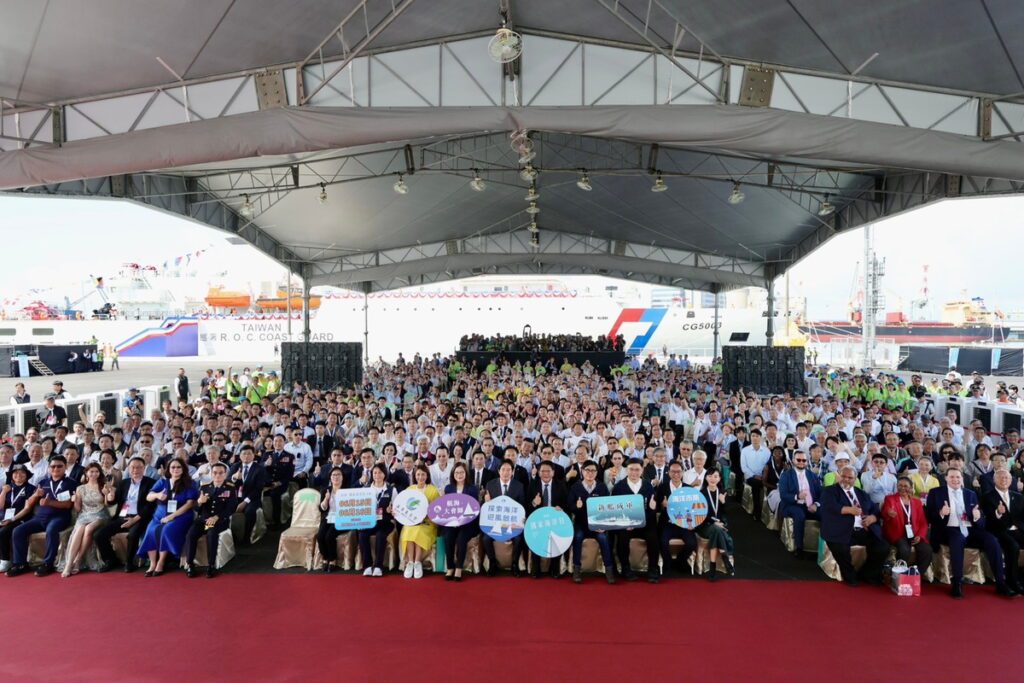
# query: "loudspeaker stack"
(323, 365)
(763, 369)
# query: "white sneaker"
(418, 571)
(5, 565)
(377, 571)
(368, 571)
(409, 567)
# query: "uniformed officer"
(53, 503)
(217, 501)
(280, 466)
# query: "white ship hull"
(407, 322)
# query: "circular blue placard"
(687, 507)
(548, 532)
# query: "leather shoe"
(652, 578)
(577, 575)
(45, 570)
(609, 574)
(190, 571)
(211, 572)
(17, 570)
(104, 568)
(129, 568)
(516, 573)
(631, 576)
(1005, 590)
(957, 591)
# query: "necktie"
(504, 489)
(547, 494)
(961, 512)
(478, 478)
(659, 474)
(245, 473)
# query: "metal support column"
(769, 331)
(714, 353)
(305, 310)
(366, 329)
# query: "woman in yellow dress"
(417, 540)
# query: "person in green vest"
(273, 384)
(566, 366)
(492, 368)
(454, 368)
(99, 357)
(717, 367)
(540, 369)
(256, 390)
(114, 365)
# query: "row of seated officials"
(950, 515)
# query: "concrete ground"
(134, 372)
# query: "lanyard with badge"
(172, 503)
(58, 494)
(908, 527)
(9, 511)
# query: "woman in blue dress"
(176, 497)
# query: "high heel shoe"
(449, 575)
(729, 569)
(458, 576)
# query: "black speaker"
(763, 369)
(322, 365)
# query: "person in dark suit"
(504, 485)
(635, 484)
(735, 448)
(249, 478)
(401, 478)
(480, 475)
(667, 531)
(280, 465)
(657, 471)
(132, 515)
(849, 517)
(322, 481)
(957, 521)
(579, 493)
(217, 502)
(456, 539)
(321, 445)
(799, 496)
(546, 491)
(1004, 515)
(361, 475)
(385, 493)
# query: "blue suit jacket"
(937, 498)
(789, 490)
(837, 527)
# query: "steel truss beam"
(177, 195)
(511, 252)
(895, 193)
(556, 70)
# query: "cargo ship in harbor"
(966, 321)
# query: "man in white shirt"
(303, 455)
(753, 459)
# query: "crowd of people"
(861, 454)
(541, 343)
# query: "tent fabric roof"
(63, 49)
(791, 163)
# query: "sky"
(969, 245)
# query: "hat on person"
(49, 396)
(21, 467)
(842, 455)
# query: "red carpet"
(260, 627)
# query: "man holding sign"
(546, 491)
(636, 485)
